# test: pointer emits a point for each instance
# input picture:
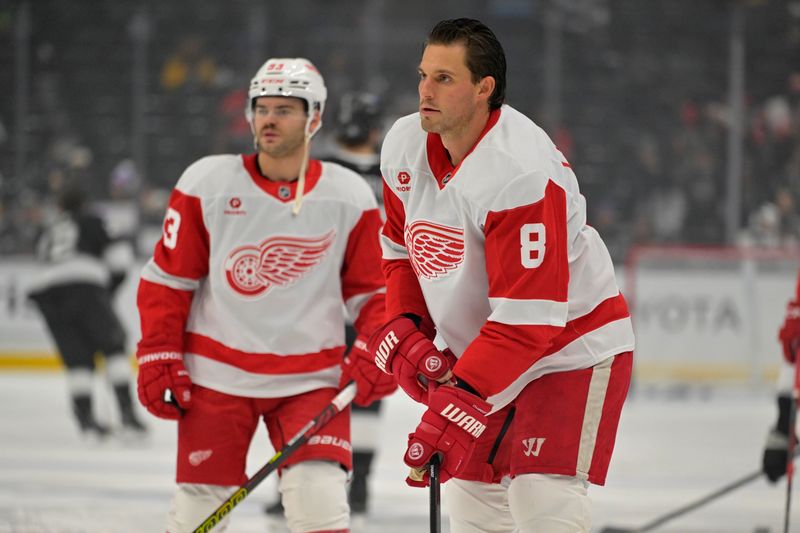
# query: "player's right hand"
(161, 372)
(453, 422)
(402, 350)
(789, 334)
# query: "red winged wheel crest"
(434, 250)
(252, 270)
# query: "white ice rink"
(672, 448)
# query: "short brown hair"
(485, 56)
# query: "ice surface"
(673, 447)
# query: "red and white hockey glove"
(789, 334)
(401, 349)
(453, 422)
(161, 372)
(371, 382)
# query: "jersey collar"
(283, 191)
(443, 169)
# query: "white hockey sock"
(193, 503)
(118, 367)
(476, 507)
(548, 502)
(314, 497)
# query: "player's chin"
(429, 125)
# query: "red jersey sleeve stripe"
(395, 217)
(184, 247)
(163, 312)
(526, 249)
(361, 267)
(502, 352)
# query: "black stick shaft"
(435, 494)
(688, 507)
(338, 404)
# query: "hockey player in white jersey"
(242, 308)
(486, 240)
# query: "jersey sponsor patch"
(278, 261)
(403, 182)
(435, 250)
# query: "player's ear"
(486, 87)
(316, 121)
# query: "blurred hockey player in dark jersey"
(358, 148)
(74, 294)
(358, 136)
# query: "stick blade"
(612, 529)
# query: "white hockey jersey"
(516, 283)
(253, 296)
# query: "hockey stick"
(687, 508)
(337, 405)
(435, 495)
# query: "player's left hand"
(453, 422)
(372, 383)
(789, 334)
(401, 349)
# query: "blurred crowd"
(655, 172)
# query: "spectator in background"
(189, 65)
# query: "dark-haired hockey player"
(486, 241)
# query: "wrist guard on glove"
(453, 422)
(161, 372)
(372, 383)
(789, 334)
(401, 349)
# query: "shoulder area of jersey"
(209, 168)
(407, 125)
(348, 184)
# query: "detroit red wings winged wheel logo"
(434, 250)
(277, 261)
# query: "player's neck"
(460, 141)
(280, 168)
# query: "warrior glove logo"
(251, 270)
(434, 250)
(463, 420)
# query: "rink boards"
(693, 323)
